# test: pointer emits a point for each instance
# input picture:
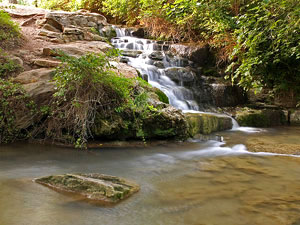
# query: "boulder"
(131, 53)
(227, 95)
(196, 54)
(157, 55)
(138, 32)
(295, 117)
(46, 63)
(38, 84)
(260, 117)
(178, 74)
(96, 187)
(206, 123)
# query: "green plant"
(87, 86)
(7, 66)
(14, 105)
(8, 29)
(267, 53)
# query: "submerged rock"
(97, 187)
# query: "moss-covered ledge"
(260, 117)
(205, 123)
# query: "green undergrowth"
(9, 30)
(15, 109)
(87, 87)
(7, 66)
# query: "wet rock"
(97, 187)
(226, 95)
(159, 64)
(196, 54)
(131, 53)
(166, 122)
(156, 55)
(260, 118)
(178, 74)
(139, 33)
(205, 123)
(295, 117)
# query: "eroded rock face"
(97, 187)
(178, 74)
(38, 84)
(205, 123)
(196, 54)
(61, 27)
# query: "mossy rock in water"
(261, 118)
(205, 123)
(97, 187)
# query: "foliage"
(7, 66)
(87, 86)
(8, 29)
(14, 104)
(267, 52)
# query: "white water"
(179, 96)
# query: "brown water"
(193, 183)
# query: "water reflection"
(193, 183)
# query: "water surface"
(197, 183)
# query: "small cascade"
(160, 69)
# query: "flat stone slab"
(96, 187)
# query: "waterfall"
(150, 59)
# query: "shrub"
(87, 86)
(8, 29)
(14, 105)
(267, 53)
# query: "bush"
(8, 29)
(7, 66)
(14, 105)
(267, 53)
(88, 86)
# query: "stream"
(193, 183)
(189, 183)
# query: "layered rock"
(96, 187)
(61, 27)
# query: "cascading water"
(160, 69)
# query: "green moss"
(162, 96)
(207, 123)
(261, 118)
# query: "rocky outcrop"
(260, 117)
(196, 54)
(62, 27)
(166, 122)
(96, 187)
(206, 123)
(180, 74)
(38, 84)
(294, 117)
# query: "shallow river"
(196, 183)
